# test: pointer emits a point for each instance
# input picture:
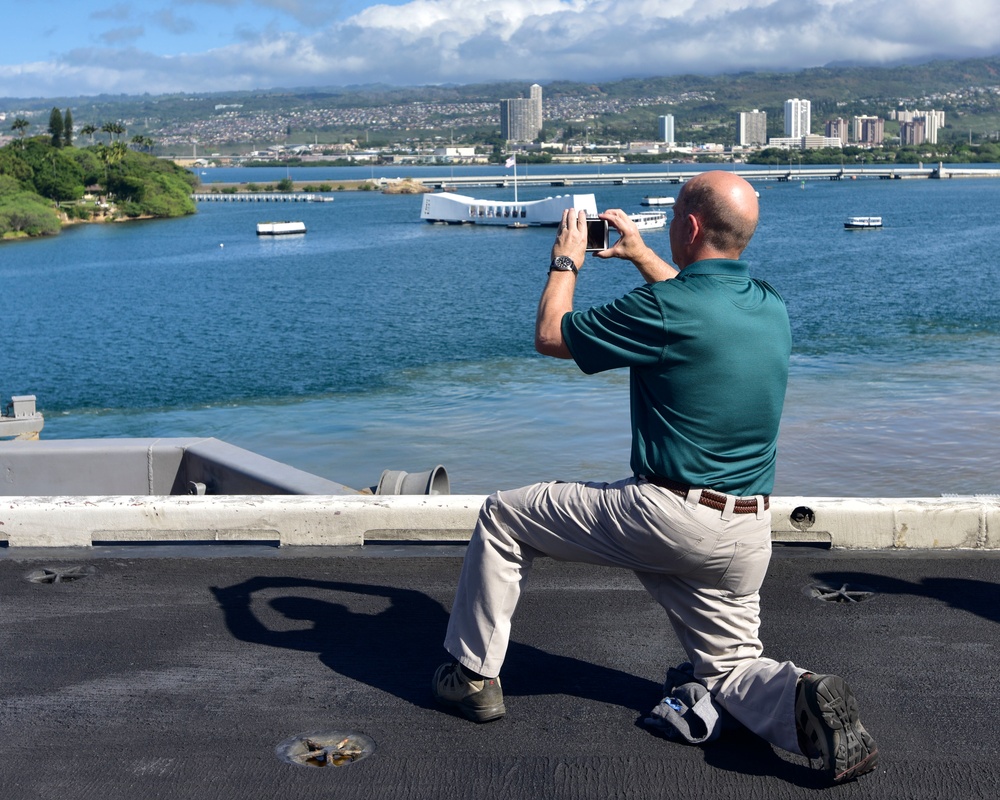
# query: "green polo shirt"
(708, 356)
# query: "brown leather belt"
(712, 499)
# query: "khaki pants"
(703, 566)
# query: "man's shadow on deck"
(395, 642)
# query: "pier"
(781, 174)
(260, 197)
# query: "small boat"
(651, 200)
(280, 228)
(862, 223)
(649, 220)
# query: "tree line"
(46, 180)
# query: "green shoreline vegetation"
(46, 182)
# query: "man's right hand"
(631, 247)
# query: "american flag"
(510, 162)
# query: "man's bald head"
(726, 206)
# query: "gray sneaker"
(826, 713)
(480, 701)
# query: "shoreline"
(378, 186)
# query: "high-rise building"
(837, 128)
(517, 120)
(666, 128)
(751, 128)
(933, 120)
(521, 117)
(798, 118)
(868, 130)
(536, 108)
(913, 132)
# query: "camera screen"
(597, 235)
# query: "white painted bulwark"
(888, 523)
(288, 519)
(850, 523)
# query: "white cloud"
(437, 41)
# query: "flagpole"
(515, 178)
(512, 162)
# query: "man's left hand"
(571, 240)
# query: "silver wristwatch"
(563, 264)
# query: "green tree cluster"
(37, 178)
(24, 213)
(61, 128)
(142, 185)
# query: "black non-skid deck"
(179, 672)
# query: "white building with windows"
(798, 118)
(535, 94)
(666, 128)
(810, 142)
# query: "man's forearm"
(653, 268)
(556, 302)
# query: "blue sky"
(82, 47)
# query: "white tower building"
(798, 118)
(666, 128)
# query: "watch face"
(563, 262)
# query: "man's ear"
(692, 229)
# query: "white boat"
(459, 209)
(856, 223)
(649, 220)
(650, 200)
(280, 228)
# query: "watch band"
(563, 264)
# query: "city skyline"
(127, 47)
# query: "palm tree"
(111, 155)
(89, 130)
(113, 129)
(118, 151)
(20, 125)
(143, 143)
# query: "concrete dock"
(179, 671)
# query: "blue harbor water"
(377, 341)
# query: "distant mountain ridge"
(705, 106)
(936, 76)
